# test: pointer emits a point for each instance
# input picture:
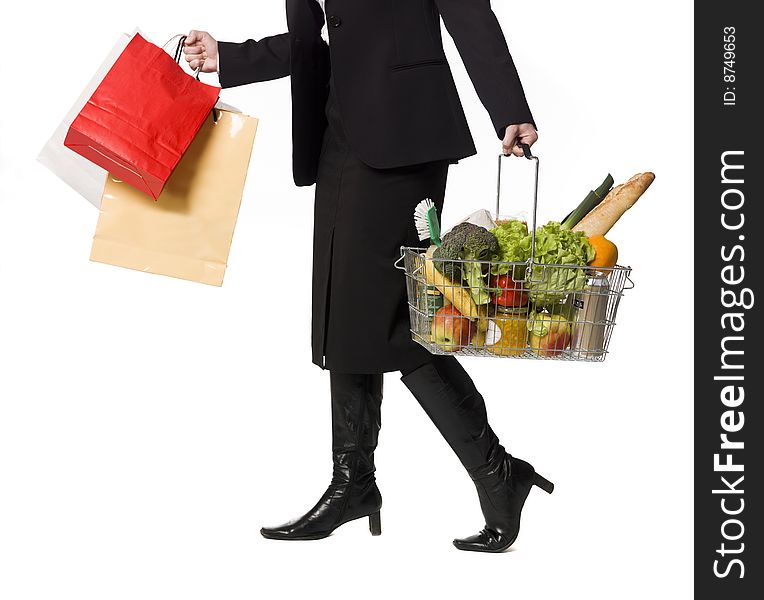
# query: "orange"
(606, 252)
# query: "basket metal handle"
(527, 153)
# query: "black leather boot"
(353, 492)
(449, 397)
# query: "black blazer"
(394, 87)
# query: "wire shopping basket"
(531, 309)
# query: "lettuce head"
(556, 246)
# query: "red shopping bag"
(142, 117)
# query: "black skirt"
(360, 319)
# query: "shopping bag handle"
(179, 54)
(527, 153)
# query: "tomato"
(509, 293)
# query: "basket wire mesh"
(546, 321)
(526, 309)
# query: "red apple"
(450, 330)
(549, 334)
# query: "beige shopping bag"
(187, 231)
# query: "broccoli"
(467, 242)
(449, 251)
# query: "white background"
(150, 426)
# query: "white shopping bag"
(84, 177)
(79, 173)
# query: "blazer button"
(335, 21)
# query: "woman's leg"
(356, 402)
(449, 397)
(451, 400)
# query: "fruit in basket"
(453, 292)
(605, 252)
(548, 334)
(470, 243)
(451, 331)
(505, 291)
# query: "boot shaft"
(356, 420)
(449, 397)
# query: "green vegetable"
(472, 274)
(510, 242)
(549, 285)
(510, 235)
(445, 256)
(592, 199)
(467, 242)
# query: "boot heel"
(543, 483)
(375, 523)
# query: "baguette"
(453, 292)
(620, 199)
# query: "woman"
(376, 123)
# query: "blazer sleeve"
(254, 60)
(481, 44)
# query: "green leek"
(592, 199)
